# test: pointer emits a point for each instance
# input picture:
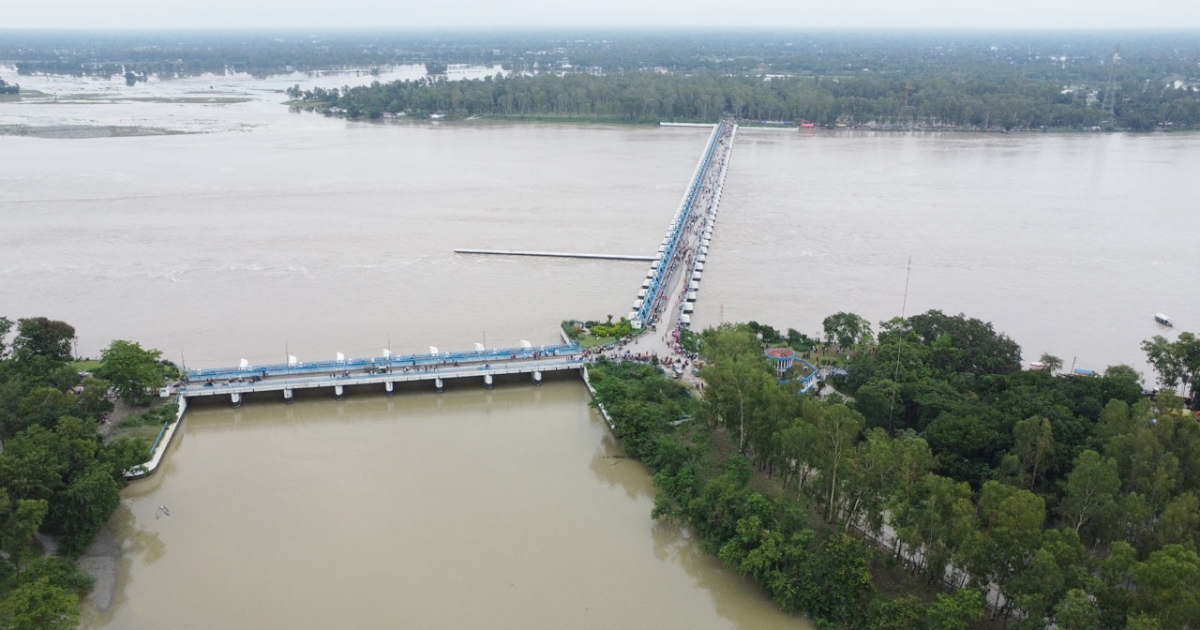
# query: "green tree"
(131, 369)
(836, 433)
(901, 613)
(736, 375)
(6, 325)
(1091, 491)
(1143, 622)
(85, 505)
(93, 399)
(1077, 611)
(1179, 522)
(42, 337)
(934, 519)
(1168, 587)
(1011, 532)
(19, 521)
(870, 480)
(1177, 363)
(846, 329)
(1033, 441)
(1052, 363)
(42, 406)
(956, 611)
(39, 605)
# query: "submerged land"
(931, 483)
(964, 80)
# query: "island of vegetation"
(969, 80)
(940, 487)
(65, 454)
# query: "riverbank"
(739, 513)
(327, 109)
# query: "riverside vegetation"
(893, 79)
(1070, 500)
(932, 102)
(59, 479)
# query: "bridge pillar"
(236, 398)
(437, 382)
(339, 391)
(287, 396)
(389, 387)
(537, 377)
(487, 381)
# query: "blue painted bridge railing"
(656, 282)
(393, 361)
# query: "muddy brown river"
(261, 232)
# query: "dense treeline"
(1060, 57)
(57, 476)
(978, 80)
(1070, 500)
(805, 566)
(934, 102)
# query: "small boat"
(1163, 319)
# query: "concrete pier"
(513, 252)
(688, 235)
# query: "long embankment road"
(514, 252)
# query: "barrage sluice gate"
(384, 373)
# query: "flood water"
(276, 232)
(472, 509)
(1069, 243)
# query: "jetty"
(513, 252)
(668, 292)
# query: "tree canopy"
(57, 476)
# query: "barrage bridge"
(666, 298)
(383, 371)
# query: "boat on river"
(1163, 319)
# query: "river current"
(269, 233)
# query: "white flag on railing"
(341, 358)
(292, 361)
(433, 350)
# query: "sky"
(985, 14)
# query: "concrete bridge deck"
(386, 377)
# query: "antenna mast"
(899, 345)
